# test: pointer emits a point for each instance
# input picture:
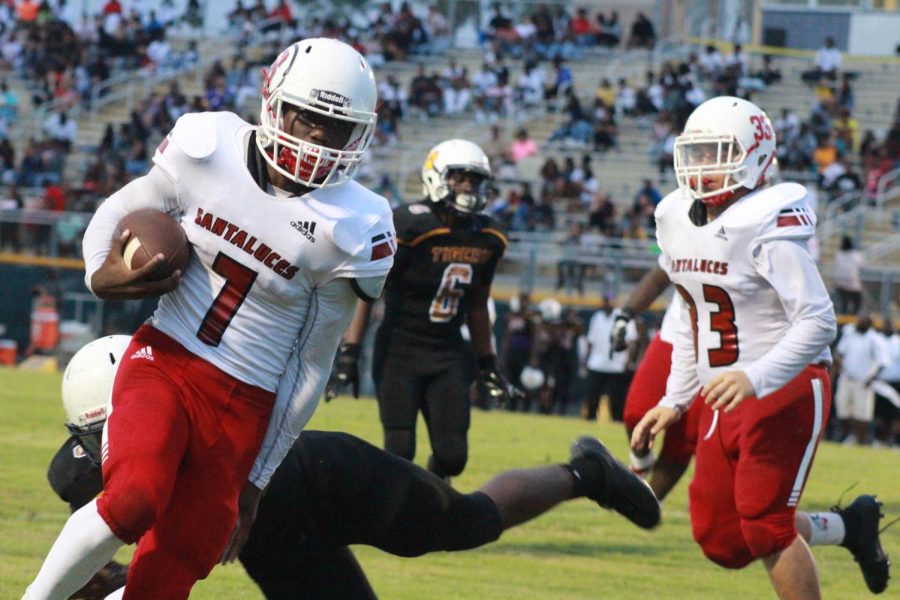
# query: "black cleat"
(861, 538)
(611, 484)
(106, 581)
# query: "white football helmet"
(728, 138)
(550, 309)
(87, 385)
(531, 378)
(327, 77)
(456, 155)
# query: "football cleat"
(862, 539)
(106, 581)
(609, 483)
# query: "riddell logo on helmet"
(329, 97)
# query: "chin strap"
(718, 199)
(256, 164)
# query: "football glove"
(619, 328)
(493, 387)
(346, 371)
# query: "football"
(154, 232)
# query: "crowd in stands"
(525, 72)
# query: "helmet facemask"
(472, 201)
(702, 159)
(90, 438)
(307, 163)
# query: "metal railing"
(888, 188)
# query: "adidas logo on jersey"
(146, 352)
(307, 228)
(721, 234)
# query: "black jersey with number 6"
(427, 291)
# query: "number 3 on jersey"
(721, 322)
(445, 304)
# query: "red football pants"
(647, 388)
(181, 440)
(752, 465)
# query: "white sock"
(641, 465)
(84, 545)
(116, 595)
(827, 529)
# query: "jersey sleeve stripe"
(499, 234)
(420, 238)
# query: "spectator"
(608, 371)
(562, 82)
(649, 190)
(283, 13)
(439, 33)
(530, 84)
(737, 62)
(827, 63)
(610, 33)
(61, 130)
(711, 63)
(826, 152)
(642, 33)
(27, 11)
(846, 277)
(522, 147)
(626, 99)
(425, 93)
(605, 129)
(582, 28)
(518, 343)
(860, 357)
(603, 214)
(845, 98)
(496, 148)
(887, 412)
(457, 88)
(9, 103)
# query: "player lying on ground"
(222, 378)
(334, 490)
(753, 342)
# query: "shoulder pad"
(196, 134)
(781, 213)
(357, 212)
(674, 198)
(413, 221)
(492, 226)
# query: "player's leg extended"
(447, 414)
(779, 435)
(715, 521)
(228, 423)
(145, 437)
(400, 394)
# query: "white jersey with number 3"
(753, 298)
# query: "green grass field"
(576, 551)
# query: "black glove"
(346, 370)
(619, 328)
(493, 387)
